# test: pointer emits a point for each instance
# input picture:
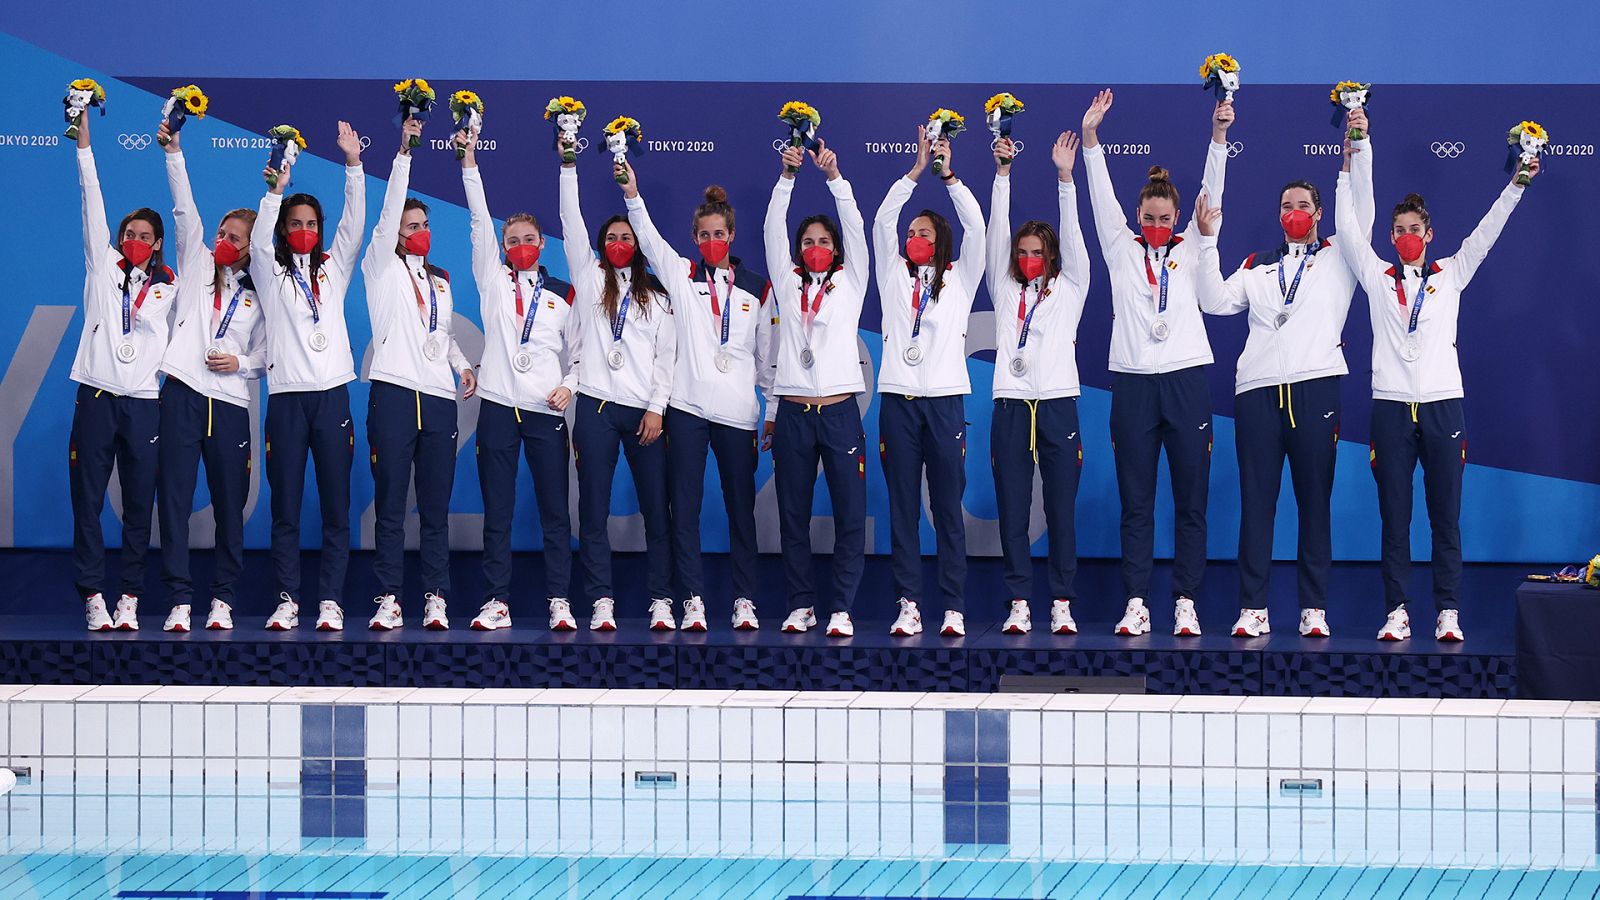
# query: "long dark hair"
(143, 214)
(637, 272)
(1046, 233)
(828, 225)
(943, 248)
(280, 234)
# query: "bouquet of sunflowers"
(623, 134)
(1348, 96)
(416, 102)
(999, 110)
(286, 146)
(1526, 141)
(186, 101)
(1220, 74)
(568, 113)
(802, 119)
(944, 123)
(82, 94)
(466, 108)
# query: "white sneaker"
(1184, 621)
(1061, 621)
(604, 617)
(561, 615)
(221, 616)
(694, 614)
(387, 618)
(1020, 621)
(178, 619)
(661, 615)
(955, 624)
(286, 616)
(329, 616)
(94, 611)
(744, 615)
(1135, 619)
(434, 617)
(1449, 627)
(126, 618)
(1397, 627)
(839, 625)
(1314, 623)
(909, 621)
(1252, 623)
(800, 621)
(491, 615)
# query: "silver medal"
(615, 359)
(1019, 366)
(522, 361)
(1411, 350)
(126, 352)
(1160, 330)
(724, 361)
(214, 351)
(432, 347)
(807, 358)
(912, 355)
(1283, 319)
(318, 341)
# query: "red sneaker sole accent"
(1184, 632)
(744, 627)
(211, 627)
(1315, 632)
(435, 626)
(950, 632)
(832, 633)
(698, 629)
(1015, 629)
(1388, 636)
(789, 629)
(322, 627)
(657, 626)
(179, 630)
(1063, 631)
(371, 627)
(606, 628)
(564, 626)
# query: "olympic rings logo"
(580, 145)
(1235, 148)
(1015, 144)
(1448, 149)
(134, 141)
(365, 142)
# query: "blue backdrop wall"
(706, 84)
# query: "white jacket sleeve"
(853, 228)
(766, 350)
(1109, 223)
(96, 233)
(1476, 246)
(666, 360)
(485, 247)
(998, 236)
(886, 232)
(1074, 253)
(1218, 297)
(187, 230)
(263, 261)
(969, 263)
(386, 234)
(775, 230)
(581, 264)
(670, 268)
(572, 340)
(1355, 245)
(458, 360)
(352, 220)
(253, 361)
(1211, 184)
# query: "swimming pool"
(210, 793)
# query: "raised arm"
(1355, 244)
(581, 263)
(970, 263)
(998, 235)
(485, 247)
(386, 234)
(672, 269)
(1473, 250)
(1216, 169)
(853, 229)
(1074, 254)
(347, 238)
(1110, 224)
(96, 233)
(187, 230)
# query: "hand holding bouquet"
(802, 119)
(82, 94)
(1526, 141)
(286, 146)
(466, 108)
(623, 134)
(1220, 73)
(186, 101)
(944, 123)
(1347, 97)
(999, 110)
(568, 113)
(416, 102)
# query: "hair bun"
(716, 194)
(1414, 199)
(1159, 174)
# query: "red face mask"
(418, 242)
(136, 252)
(302, 240)
(714, 251)
(1032, 266)
(225, 253)
(619, 253)
(817, 259)
(1410, 246)
(1156, 235)
(523, 256)
(1297, 224)
(919, 250)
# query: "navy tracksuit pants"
(196, 428)
(1300, 421)
(918, 434)
(1436, 435)
(542, 439)
(412, 435)
(1149, 413)
(314, 423)
(1025, 435)
(687, 436)
(805, 435)
(599, 429)
(111, 430)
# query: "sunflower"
(403, 86)
(194, 100)
(948, 115)
(1347, 87)
(799, 109)
(564, 104)
(466, 100)
(422, 85)
(1005, 101)
(89, 84)
(287, 133)
(1533, 130)
(1218, 62)
(623, 123)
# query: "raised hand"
(623, 172)
(1206, 216)
(1221, 121)
(1063, 154)
(410, 128)
(924, 150)
(167, 138)
(826, 160)
(1004, 151)
(1358, 119)
(1094, 115)
(568, 143)
(468, 146)
(277, 180)
(792, 157)
(350, 142)
(941, 147)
